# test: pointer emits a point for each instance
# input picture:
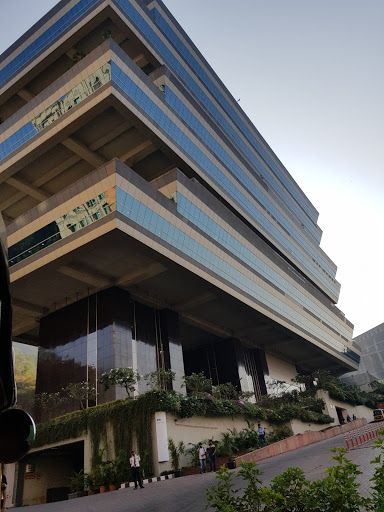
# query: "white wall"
(282, 371)
(360, 411)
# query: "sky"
(310, 76)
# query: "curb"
(149, 481)
(298, 441)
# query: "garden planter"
(177, 473)
(112, 487)
(91, 493)
(103, 488)
(231, 464)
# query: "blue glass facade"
(225, 181)
(42, 42)
(159, 117)
(56, 110)
(199, 71)
(142, 215)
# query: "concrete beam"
(27, 339)
(122, 128)
(132, 152)
(83, 152)
(23, 327)
(207, 326)
(25, 95)
(195, 301)
(113, 134)
(140, 275)
(27, 306)
(85, 275)
(28, 188)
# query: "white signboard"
(161, 436)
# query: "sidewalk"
(188, 493)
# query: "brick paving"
(188, 493)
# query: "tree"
(50, 402)
(82, 392)
(197, 383)
(125, 377)
(160, 379)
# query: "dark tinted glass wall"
(104, 331)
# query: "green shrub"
(291, 492)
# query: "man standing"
(3, 492)
(211, 450)
(261, 432)
(135, 468)
(202, 458)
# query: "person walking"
(202, 458)
(261, 433)
(211, 450)
(135, 469)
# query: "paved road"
(188, 493)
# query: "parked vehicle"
(378, 414)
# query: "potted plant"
(122, 468)
(77, 485)
(228, 450)
(175, 451)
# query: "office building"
(149, 223)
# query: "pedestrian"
(202, 458)
(3, 492)
(135, 469)
(348, 418)
(211, 450)
(354, 418)
(261, 432)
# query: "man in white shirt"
(202, 458)
(135, 468)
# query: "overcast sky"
(310, 76)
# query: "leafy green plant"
(175, 451)
(226, 391)
(77, 482)
(278, 434)
(82, 392)
(222, 496)
(291, 492)
(125, 377)
(197, 383)
(50, 403)
(378, 477)
(338, 491)
(228, 444)
(193, 453)
(160, 379)
(288, 492)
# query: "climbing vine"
(131, 419)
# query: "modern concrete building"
(371, 365)
(149, 223)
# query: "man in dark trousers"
(211, 450)
(135, 468)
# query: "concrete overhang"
(113, 251)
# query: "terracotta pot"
(91, 493)
(103, 488)
(112, 487)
